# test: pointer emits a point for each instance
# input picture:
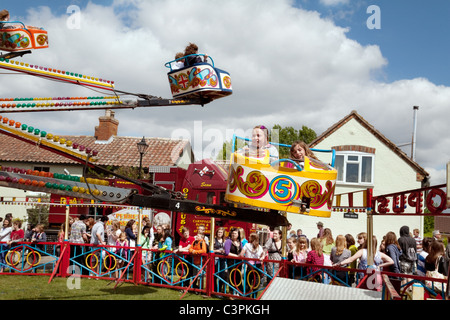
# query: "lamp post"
(142, 148)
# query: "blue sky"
(291, 63)
(413, 36)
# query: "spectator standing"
(351, 245)
(29, 232)
(338, 253)
(320, 227)
(220, 262)
(5, 236)
(409, 252)
(197, 249)
(17, 234)
(39, 236)
(78, 237)
(273, 248)
(98, 232)
(418, 240)
(299, 255)
(113, 234)
(435, 264)
(183, 248)
(90, 222)
(315, 257)
(426, 245)
(122, 251)
(185, 241)
(393, 250)
(232, 248)
(201, 230)
(98, 238)
(437, 235)
(243, 237)
(380, 259)
(131, 232)
(361, 239)
(146, 245)
(327, 241)
(253, 250)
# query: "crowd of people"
(407, 254)
(11, 233)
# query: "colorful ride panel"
(201, 80)
(20, 38)
(257, 183)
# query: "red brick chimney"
(108, 126)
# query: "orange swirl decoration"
(41, 39)
(313, 190)
(24, 42)
(227, 82)
(255, 186)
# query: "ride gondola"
(200, 80)
(258, 182)
(15, 36)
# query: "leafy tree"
(287, 135)
(39, 213)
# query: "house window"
(44, 169)
(354, 167)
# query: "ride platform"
(290, 289)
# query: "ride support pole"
(448, 184)
(65, 259)
(210, 269)
(284, 248)
(137, 265)
(370, 251)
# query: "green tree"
(287, 135)
(38, 213)
(226, 151)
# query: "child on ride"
(298, 151)
(179, 63)
(260, 148)
(192, 50)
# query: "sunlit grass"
(21, 287)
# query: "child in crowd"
(122, 250)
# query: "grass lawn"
(22, 287)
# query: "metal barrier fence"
(208, 274)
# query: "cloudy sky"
(293, 63)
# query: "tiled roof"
(118, 151)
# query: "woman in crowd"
(338, 253)
(273, 248)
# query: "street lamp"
(142, 148)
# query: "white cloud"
(288, 66)
(334, 2)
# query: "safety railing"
(207, 274)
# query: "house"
(365, 158)
(113, 151)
